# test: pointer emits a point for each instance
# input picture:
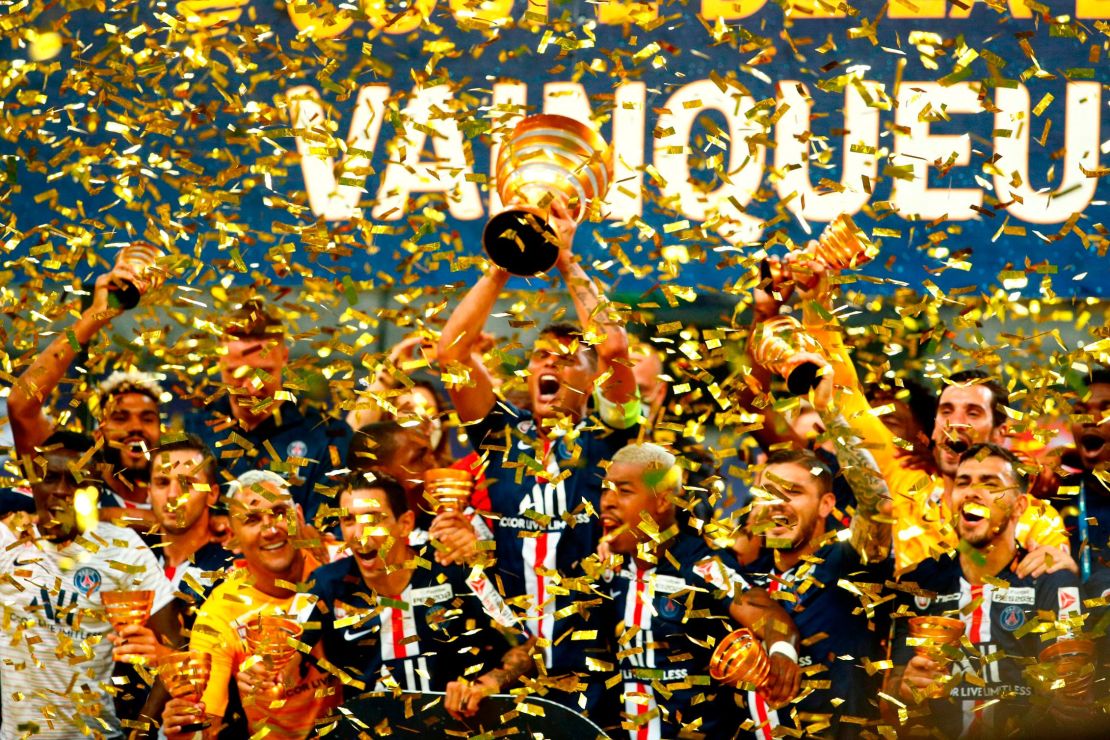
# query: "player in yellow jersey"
(266, 525)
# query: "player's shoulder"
(112, 541)
(334, 579)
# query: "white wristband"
(782, 647)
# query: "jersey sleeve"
(493, 425)
(720, 571)
(1059, 593)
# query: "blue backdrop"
(190, 125)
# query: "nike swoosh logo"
(19, 562)
(352, 636)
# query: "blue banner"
(350, 145)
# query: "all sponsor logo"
(1068, 598)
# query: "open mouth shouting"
(547, 388)
(1092, 443)
(972, 513)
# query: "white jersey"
(55, 658)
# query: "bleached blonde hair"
(658, 464)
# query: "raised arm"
(598, 319)
(468, 381)
(30, 425)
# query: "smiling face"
(630, 491)
(54, 493)
(794, 508)
(964, 418)
(986, 501)
(1092, 436)
(181, 491)
(264, 521)
(377, 539)
(560, 377)
(130, 426)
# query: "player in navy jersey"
(544, 479)
(1009, 615)
(392, 618)
(831, 589)
(674, 598)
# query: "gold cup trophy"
(776, 343)
(273, 639)
(1067, 667)
(841, 246)
(144, 259)
(126, 608)
(448, 489)
(548, 160)
(937, 638)
(739, 660)
(185, 675)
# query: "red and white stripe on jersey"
(399, 638)
(639, 697)
(766, 719)
(539, 552)
(639, 700)
(978, 630)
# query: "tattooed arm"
(871, 526)
(463, 697)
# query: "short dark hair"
(984, 450)
(394, 491)
(191, 443)
(566, 331)
(253, 321)
(919, 398)
(1000, 397)
(1097, 376)
(68, 441)
(373, 443)
(807, 459)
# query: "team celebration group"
(893, 568)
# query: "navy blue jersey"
(194, 579)
(419, 640)
(665, 620)
(989, 696)
(833, 599)
(1087, 492)
(307, 445)
(545, 494)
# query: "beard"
(139, 475)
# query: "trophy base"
(803, 378)
(520, 241)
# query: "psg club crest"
(670, 608)
(87, 581)
(296, 448)
(922, 602)
(1012, 618)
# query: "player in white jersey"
(56, 652)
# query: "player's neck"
(248, 419)
(128, 487)
(266, 581)
(785, 560)
(179, 547)
(394, 579)
(979, 565)
(658, 552)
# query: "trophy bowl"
(739, 660)
(272, 639)
(937, 638)
(126, 608)
(548, 160)
(143, 258)
(1067, 666)
(448, 489)
(185, 675)
(843, 245)
(776, 343)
